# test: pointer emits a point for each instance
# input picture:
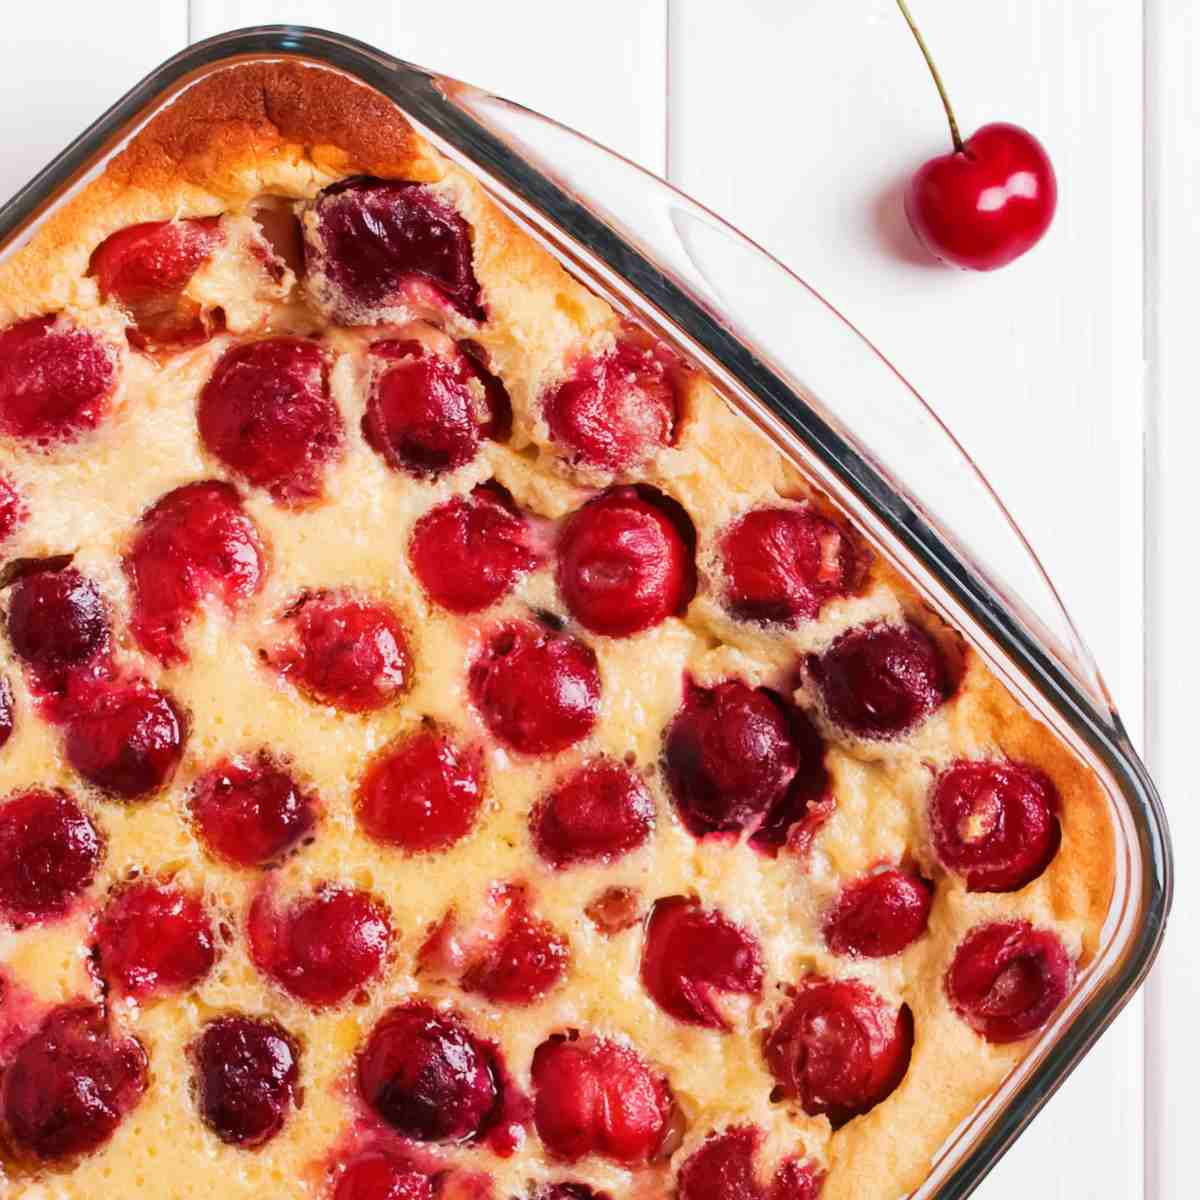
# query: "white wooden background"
(1071, 376)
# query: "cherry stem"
(937, 79)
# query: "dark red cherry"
(380, 1175)
(247, 1072)
(495, 394)
(49, 853)
(693, 956)
(537, 690)
(995, 823)
(616, 410)
(426, 411)
(153, 938)
(378, 245)
(839, 1048)
(599, 812)
(783, 564)
(267, 414)
(346, 651)
(723, 1169)
(12, 508)
(323, 947)
(423, 793)
(594, 1096)
(879, 681)
(614, 910)
(569, 1191)
(56, 380)
(525, 962)
(428, 1076)
(68, 1087)
(128, 743)
(471, 550)
(57, 621)
(145, 269)
(6, 711)
(250, 811)
(624, 565)
(1008, 979)
(194, 544)
(879, 915)
(796, 818)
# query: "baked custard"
(447, 751)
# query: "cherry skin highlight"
(247, 1072)
(251, 812)
(427, 1076)
(129, 743)
(538, 691)
(839, 1048)
(49, 854)
(56, 381)
(693, 956)
(723, 1169)
(470, 551)
(616, 410)
(267, 414)
(1008, 979)
(623, 564)
(378, 1175)
(423, 793)
(194, 544)
(378, 245)
(145, 269)
(323, 947)
(879, 915)
(995, 823)
(598, 813)
(880, 681)
(782, 565)
(987, 202)
(346, 651)
(68, 1086)
(594, 1096)
(153, 938)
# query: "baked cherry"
(194, 544)
(345, 651)
(595, 1096)
(537, 690)
(693, 956)
(428, 1076)
(879, 915)
(879, 681)
(427, 411)
(69, 1085)
(375, 246)
(782, 565)
(247, 1075)
(12, 508)
(56, 380)
(423, 793)
(49, 853)
(1008, 979)
(145, 269)
(58, 624)
(614, 910)
(723, 1169)
(995, 823)
(737, 758)
(250, 811)
(128, 742)
(267, 414)
(616, 410)
(380, 1175)
(625, 563)
(153, 938)
(497, 401)
(839, 1048)
(524, 962)
(471, 550)
(598, 813)
(6, 711)
(569, 1191)
(323, 947)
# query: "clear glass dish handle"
(785, 323)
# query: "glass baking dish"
(828, 399)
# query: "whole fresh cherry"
(988, 201)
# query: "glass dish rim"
(417, 93)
